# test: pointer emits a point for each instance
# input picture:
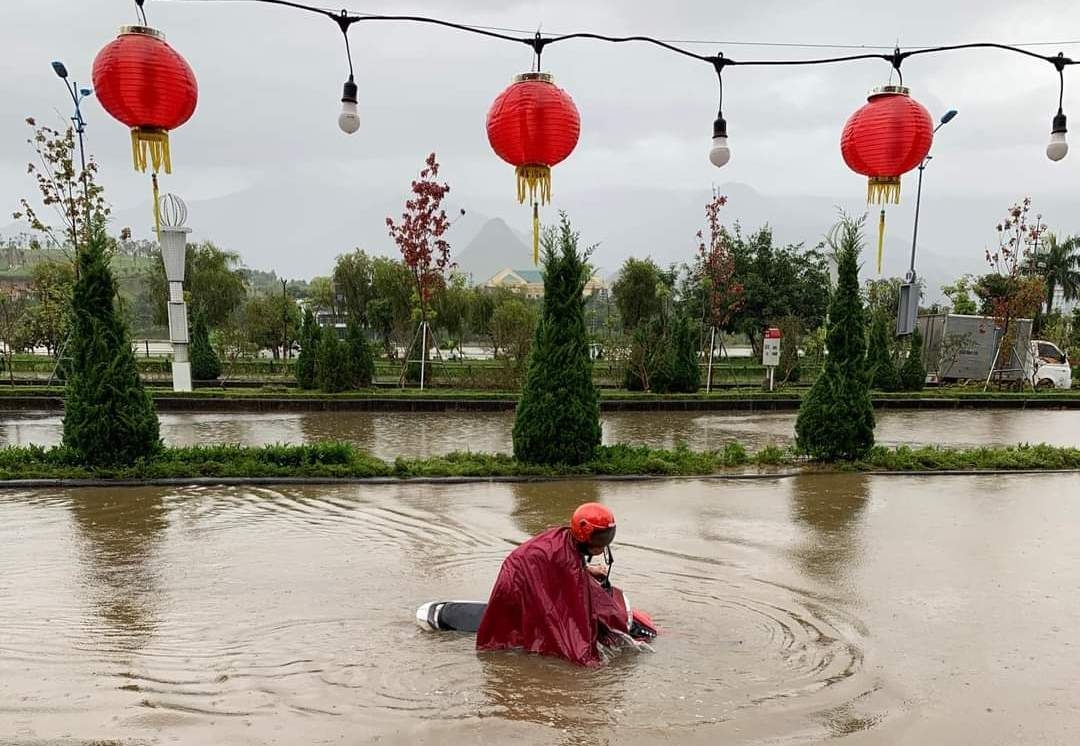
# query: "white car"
(1047, 366)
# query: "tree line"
(660, 324)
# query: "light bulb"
(1058, 147)
(720, 153)
(348, 120)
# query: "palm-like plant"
(1059, 265)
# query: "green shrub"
(205, 365)
(361, 360)
(662, 365)
(836, 418)
(880, 368)
(913, 371)
(331, 365)
(686, 376)
(109, 419)
(641, 345)
(558, 414)
(771, 455)
(735, 454)
(790, 368)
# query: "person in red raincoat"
(549, 600)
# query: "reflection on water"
(540, 505)
(880, 609)
(577, 703)
(117, 536)
(392, 434)
(829, 510)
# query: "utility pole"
(284, 320)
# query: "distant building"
(324, 318)
(529, 283)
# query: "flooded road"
(388, 435)
(906, 610)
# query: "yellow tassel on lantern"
(536, 234)
(881, 190)
(151, 147)
(880, 239)
(533, 180)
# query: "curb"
(177, 404)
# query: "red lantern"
(141, 81)
(887, 137)
(533, 125)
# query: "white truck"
(962, 348)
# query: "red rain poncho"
(545, 601)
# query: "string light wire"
(539, 41)
(521, 32)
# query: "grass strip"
(343, 460)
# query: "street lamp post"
(172, 237)
(908, 310)
(77, 95)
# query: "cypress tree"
(309, 345)
(109, 418)
(331, 363)
(687, 374)
(205, 365)
(361, 360)
(879, 360)
(662, 364)
(836, 419)
(913, 371)
(558, 415)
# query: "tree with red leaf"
(419, 237)
(1010, 290)
(716, 269)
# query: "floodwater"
(388, 435)
(867, 609)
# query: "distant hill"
(298, 233)
(496, 246)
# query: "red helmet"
(593, 524)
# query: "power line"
(701, 42)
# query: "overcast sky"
(264, 137)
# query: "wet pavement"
(886, 609)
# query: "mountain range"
(272, 229)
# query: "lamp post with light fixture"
(77, 95)
(908, 309)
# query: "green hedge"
(342, 460)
